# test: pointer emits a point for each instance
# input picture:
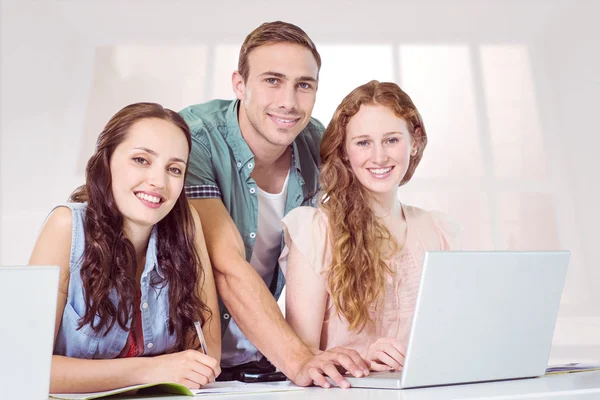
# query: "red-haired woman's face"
(378, 146)
(148, 170)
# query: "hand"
(386, 354)
(190, 368)
(330, 363)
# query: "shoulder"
(435, 226)
(206, 117)
(312, 133)
(304, 215)
(60, 219)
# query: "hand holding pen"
(191, 368)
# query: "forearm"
(258, 316)
(74, 375)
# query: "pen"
(201, 337)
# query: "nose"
(379, 155)
(157, 177)
(286, 98)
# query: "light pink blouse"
(307, 228)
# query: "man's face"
(278, 97)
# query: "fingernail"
(327, 385)
(345, 384)
(366, 372)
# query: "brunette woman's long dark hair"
(109, 260)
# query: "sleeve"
(306, 228)
(200, 182)
(449, 231)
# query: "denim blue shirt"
(221, 164)
(154, 306)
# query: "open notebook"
(233, 387)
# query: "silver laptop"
(480, 316)
(27, 314)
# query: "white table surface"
(581, 385)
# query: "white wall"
(67, 66)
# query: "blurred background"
(508, 91)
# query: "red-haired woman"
(354, 262)
(135, 275)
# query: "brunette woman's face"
(148, 170)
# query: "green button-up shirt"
(221, 163)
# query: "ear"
(238, 85)
(415, 142)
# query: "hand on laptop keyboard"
(386, 354)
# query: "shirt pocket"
(79, 343)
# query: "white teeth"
(380, 171)
(287, 121)
(149, 198)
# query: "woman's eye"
(393, 140)
(362, 143)
(175, 170)
(140, 160)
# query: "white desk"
(581, 385)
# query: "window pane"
(169, 75)
(514, 123)
(469, 211)
(439, 79)
(528, 221)
(344, 68)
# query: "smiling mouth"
(283, 121)
(149, 199)
(380, 172)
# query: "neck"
(386, 205)
(139, 236)
(265, 153)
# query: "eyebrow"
(283, 76)
(367, 136)
(154, 153)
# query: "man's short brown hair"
(270, 33)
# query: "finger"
(331, 371)
(318, 378)
(357, 359)
(207, 362)
(375, 366)
(204, 371)
(190, 384)
(199, 379)
(341, 358)
(385, 358)
(399, 346)
(395, 354)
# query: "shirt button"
(250, 165)
(239, 164)
(252, 190)
(252, 235)
(145, 306)
(226, 316)
(150, 345)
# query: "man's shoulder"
(206, 115)
(310, 137)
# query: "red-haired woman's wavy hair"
(109, 260)
(361, 245)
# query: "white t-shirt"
(267, 248)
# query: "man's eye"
(304, 85)
(272, 81)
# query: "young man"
(253, 160)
